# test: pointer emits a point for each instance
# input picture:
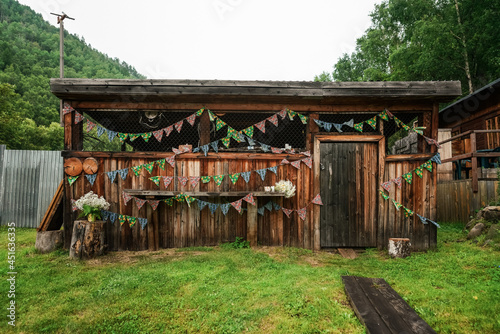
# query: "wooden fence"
(456, 200)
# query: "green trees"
(29, 57)
(426, 40)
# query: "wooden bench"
(251, 209)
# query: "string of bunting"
(113, 216)
(249, 198)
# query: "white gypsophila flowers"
(93, 201)
(286, 187)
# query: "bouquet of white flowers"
(91, 205)
(286, 187)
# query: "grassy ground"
(455, 288)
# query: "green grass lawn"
(455, 288)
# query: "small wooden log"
(88, 239)
(399, 247)
(48, 241)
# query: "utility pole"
(60, 21)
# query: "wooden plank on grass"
(52, 220)
(347, 253)
(380, 308)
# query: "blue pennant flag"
(250, 141)
(276, 206)
(204, 148)
(201, 204)
(273, 169)
(213, 207)
(265, 147)
(338, 127)
(269, 206)
(262, 173)
(105, 214)
(245, 176)
(100, 131)
(91, 178)
(350, 123)
(143, 222)
(112, 175)
(196, 149)
(437, 225)
(113, 217)
(437, 158)
(318, 122)
(123, 173)
(260, 211)
(422, 219)
(215, 146)
(111, 135)
(225, 208)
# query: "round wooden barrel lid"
(73, 166)
(90, 166)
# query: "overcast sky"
(218, 39)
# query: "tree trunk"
(465, 53)
(88, 239)
(399, 247)
(48, 241)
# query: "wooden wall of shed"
(418, 196)
(183, 226)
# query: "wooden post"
(475, 184)
(252, 224)
(87, 240)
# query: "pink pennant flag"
(249, 198)
(389, 113)
(73, 205)
(168, 130)
(158, 134)
(178, 125)
(284, 162)
(308, 162)
(237, 205)
(126, 198)
(90, 125)
(194, 181)
(282, 114)
(154, 203)
(139, 202)
(182, 180)
(302, 213)
(67, 109)
(273, 119)
(167, 180)
(177, 151)
(276, 150)
(307, 153)
(78, 117)
(398, 181)
(317, 200)
(386, 185)
(287, 212)
(171, 160)
(296, 164)
(191, 119)
(261, 126)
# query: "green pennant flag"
(372, 122)
(200, 112)
(384, 195)
(291, 114)
(396, 204)
(161, 164)
(72, 179)
(234, 177)
(146, 136)
(190, 199)
(137, 170)
(406, 127)
(383, 115)
(122, 219)
(303, 118)
(408, 212)
(419, 171)
(226, 141)
(249, 131)
(218, 179)
(149, 166)
(205, 179)
(236, 136)
(219, 124)
(408, 177)
(156, 180)
(131, 221)
(428, 165)
(359, 126)
(122, 137)
(169, 201)
(211, 115)
(133, 136)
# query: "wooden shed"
(188, 162)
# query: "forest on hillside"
(426, 40)
(29, 57)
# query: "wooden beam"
(475, 183)
(161, 155)
(463, 134)
(164, 193)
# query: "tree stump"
(399, 247)
(88, 239)
(47, 241)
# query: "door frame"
(332, 138)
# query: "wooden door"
(348, 176)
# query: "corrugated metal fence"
(28, 181)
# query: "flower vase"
(91, 217)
